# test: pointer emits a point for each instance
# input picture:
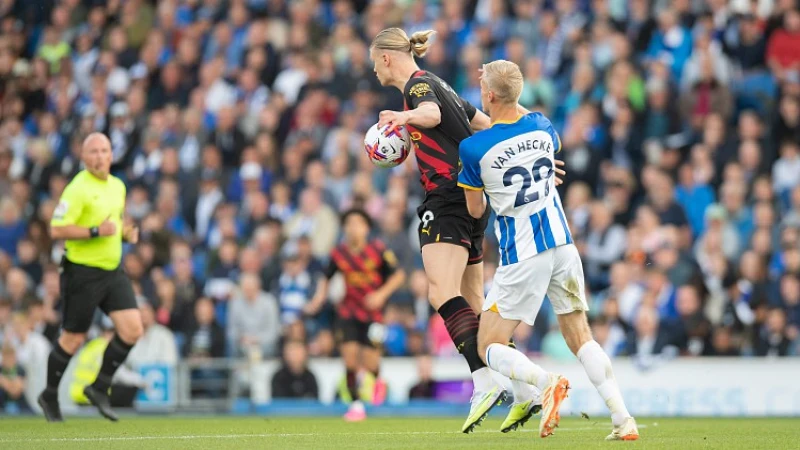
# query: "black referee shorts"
(85, 288)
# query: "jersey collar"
(507, 122)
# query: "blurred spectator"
(648, 337)
(205, 338)
(424, 387)
(253, 320)
(32, 351)
(316, 220)
(12, 383)
(781, 55)
(295, 285)
(293, 379)
(12, 227)
(605, 244)
(157, 344)
(773, 336)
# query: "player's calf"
(596, 363)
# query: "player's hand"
(560, 173)
(130, 233)
(375, 301)
(392, 118)
(107, 228)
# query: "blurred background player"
(451, 241)
(513, 164)
(371, 276)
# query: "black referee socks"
(115, 355)
(462, 324)
(57, 364)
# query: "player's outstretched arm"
(480, 121)
(426, 115)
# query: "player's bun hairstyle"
(397, 40)
(357, 212)
(504, 79)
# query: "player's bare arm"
(426, 115)
(476, 202)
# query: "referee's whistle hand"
(107, 228)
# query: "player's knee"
(71, 342)
(131, 333)
(440, 292)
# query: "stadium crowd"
(238, 128)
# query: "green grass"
(405, 433)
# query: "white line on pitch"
(267, 435)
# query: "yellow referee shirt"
(87, 201)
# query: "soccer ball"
(387, 147)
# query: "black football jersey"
(437, 148)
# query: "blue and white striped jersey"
(514, 164)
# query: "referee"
(89, 219)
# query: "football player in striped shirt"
(513, 164)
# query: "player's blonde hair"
(504, 79)
(396, 39)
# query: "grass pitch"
(378, 433)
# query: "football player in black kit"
(437, 120)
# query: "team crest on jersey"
(61, 210)
(420, 90)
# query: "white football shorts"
(519, 289)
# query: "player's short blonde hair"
(504, 79)
(397, 40)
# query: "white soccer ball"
(387, 147)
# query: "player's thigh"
(81, 292)
(494, 329)
(444, 266)
(518, 289)
(352, 335)
(472, 286)
(120, 304)
(566, 289)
